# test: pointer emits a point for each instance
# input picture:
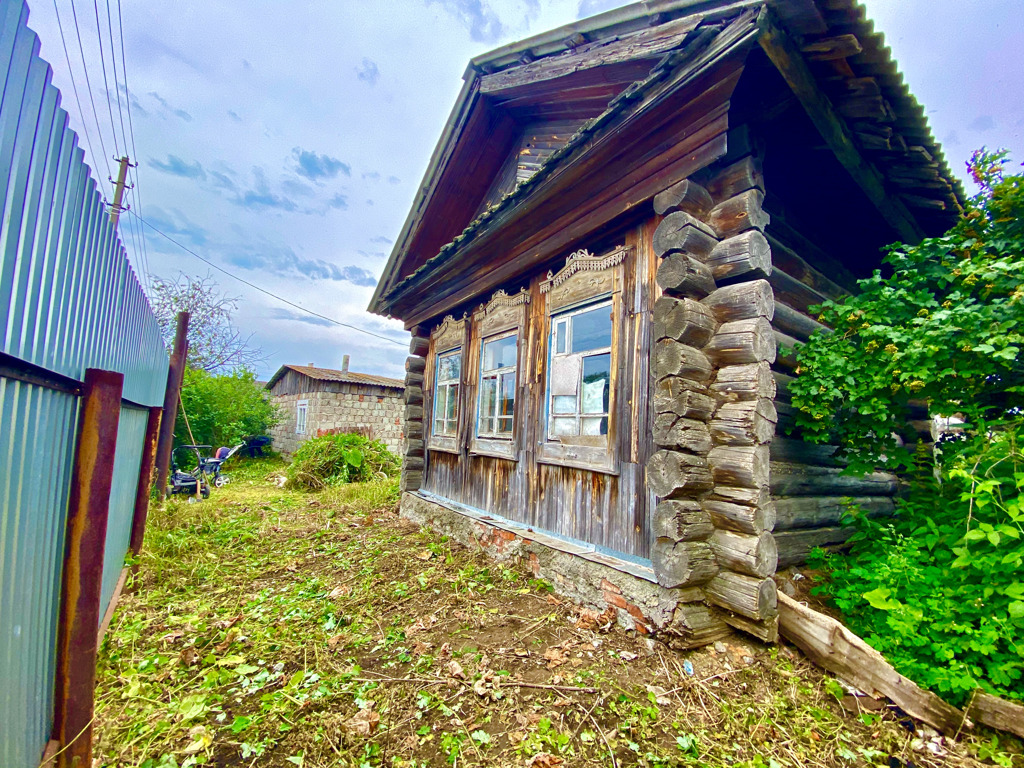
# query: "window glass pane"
(592, 329)
(563, 426)
(499, 353)
(563, 404)
(596, 377)
(488, 400)
(453, 401)
(505, 425)
(560, 337)
(508, 394)
(449, 367)
(439, 409)
(594, 425)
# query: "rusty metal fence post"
(88, 506)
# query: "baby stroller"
(206, 473)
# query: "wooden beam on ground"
(997, 713)
(786, 57)
(88, 505)
(831, 645)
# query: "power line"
(106, 86)
(88, 86)
(117, 91)
(136, 194)
(264, 290)
(74, 86)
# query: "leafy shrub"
(222, 409)
(940, 589)
(342, 458)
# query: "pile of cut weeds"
(276, 628)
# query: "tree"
(214, 344)
(222, 409)
(945, 327)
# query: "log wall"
(714, 415)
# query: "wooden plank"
(802, 480)
(88, 505)
(109, 614)
(998, 713)
(794, 546)
(826, 511)
(828, 643)
(794, 69)
(831, 48)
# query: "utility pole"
(175, 373)
(119, 187)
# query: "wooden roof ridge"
(332, 374)
(702, 36)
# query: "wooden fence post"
(145, 483)
(165, 443)
(88, 505)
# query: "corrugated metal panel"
(71, 302)
(37, 435)
(131, 433)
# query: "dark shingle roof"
(330, 374)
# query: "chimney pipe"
(344, 363)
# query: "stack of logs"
(415, 365)
(714, 393)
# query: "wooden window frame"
(447, 384)
(586, 281)
(448, 337)
(501, 317)
(301, 409)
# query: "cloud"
(394, 180)
(382, 239)
(260, 197)
(175, 224)
(282, 260)
(372, 254)
(371, 176)
(169, 108)
(234, 116)
(481, 20)
(314, 166)
(982, 123)
(593, 7)
(339, 201)
(178, 167)
(279, 313)
(223, 181)
(952, 139)
(293, 187)
(368, 71)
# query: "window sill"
(583, 457)
(498, 449)
(443, 444)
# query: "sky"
(285, 142)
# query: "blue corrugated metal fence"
(72, 303)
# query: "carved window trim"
(502, 316)
(446, 338)
(585, 281)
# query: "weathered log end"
(680, 274)
(742, 301)
(754, 555)
(673, 474)
(682, 564)
(683, 320)
(680, 232)
(748, 596)
(687, 196)
(693, 625)
(747, 254)
(681, 520)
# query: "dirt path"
(276, 628)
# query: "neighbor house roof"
(330, 374)
(849, 59)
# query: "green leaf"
(879, 599)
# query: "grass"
(272, 627)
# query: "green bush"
(222, 409)
(940, 589)
(344, 458)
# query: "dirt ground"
(276, 628)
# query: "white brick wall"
(375, 411)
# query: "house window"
(497, 386)
(446, 392)
(579, 388)
(300, 416)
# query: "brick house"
(315, 401)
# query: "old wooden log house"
(613, 250)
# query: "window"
(446, 392)
(497, 387)
(580, 383)
(300, 416)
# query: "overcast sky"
(285, 141)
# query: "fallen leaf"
(660, 695)
(363, 723)
(556, 657)
(445, 651)
(455, 670)
(628, 656)
(426, 554)
(172, 637)
(188, 656)
(552, 600)
(420, 647)
(333, 641)
(341, 591)
(201, 739)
